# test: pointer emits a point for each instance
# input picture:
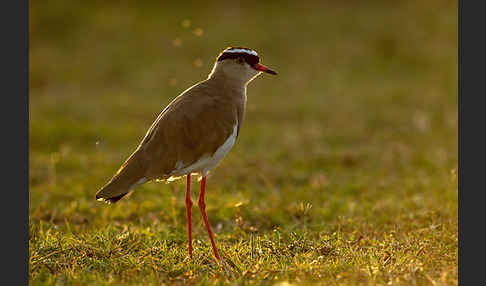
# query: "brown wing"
(195, 124)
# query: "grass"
(345, 171)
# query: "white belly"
(206, 163)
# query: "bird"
(192, 134)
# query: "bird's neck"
(227, 79)
(230, 88)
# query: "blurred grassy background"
(356, 137)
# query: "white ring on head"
(251, 52)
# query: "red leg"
(202, 207)
(188, 208)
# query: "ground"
(344, 173)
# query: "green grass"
(345, 171)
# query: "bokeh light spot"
(199, 32)
(198, 63)
(172, 82)
(186, 23)
(177, 42)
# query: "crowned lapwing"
(193, 133)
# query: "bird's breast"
(207, 162)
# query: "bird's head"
(240, 63)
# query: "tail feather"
(130, 175)
(113, 199)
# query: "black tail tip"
(109, 200)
